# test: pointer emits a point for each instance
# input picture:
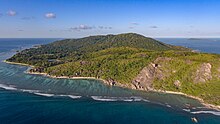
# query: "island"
(195, 39)
(129, 60)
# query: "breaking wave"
(207, 112)
(70, 96)
(112, 99)
(44, 94)
(36, 92)
(7, 87)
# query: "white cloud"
(86, 27)
(12, 13)
(82, 27)
(50, 15)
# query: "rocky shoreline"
(113, 83)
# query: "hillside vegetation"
(129, 60)
(74, 49)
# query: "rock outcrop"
(203, 73)
(147, 75)
(159, 69)
(145, 78)
(177, 84)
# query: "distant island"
(129, 60)
(195, 39)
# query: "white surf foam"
(187, 110)
(36, 92)
(137, 99)
(29, 91)
(44, 94)
(167, 105)
(207, 112)
(74, 97)
(145, 100)
(126, 99)
(71, 96)
(7, 87)
(55, 95)
(100, 98)
(201, 107)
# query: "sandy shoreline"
(15, 63)
(123, 86)
(63, 77)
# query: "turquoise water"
(37, 99)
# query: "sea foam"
(126, 99)
(7, 87)
(207, 112)
(74, 97)
(44, 94)
(70, 96)
(57, 95)
(36, 92)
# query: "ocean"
(35, 99)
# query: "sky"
(79, 18)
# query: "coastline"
(16, 63)
(216, 107)
(63, 77)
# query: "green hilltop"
(129, 60)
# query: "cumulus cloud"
(12, 13)
(82, 27)
(87, 27)
(153, 26)
(50, 15)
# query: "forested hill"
(96, 43)
(74, 49)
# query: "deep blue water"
(209, 45)
(35, 99)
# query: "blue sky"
(79, 18)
